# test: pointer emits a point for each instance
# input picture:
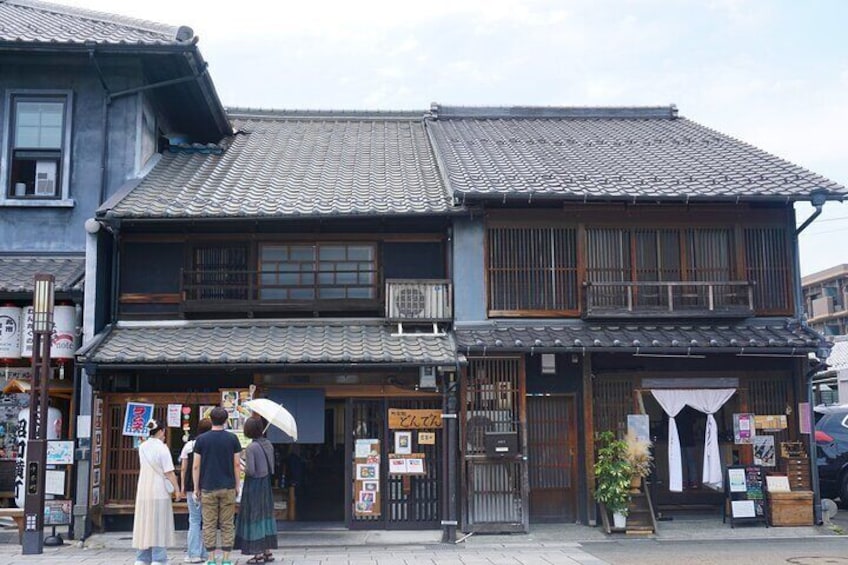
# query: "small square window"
(37, 152)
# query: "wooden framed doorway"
(551, 454)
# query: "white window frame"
(63, 199)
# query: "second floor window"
(37, 147)
(653, 255)
(320, 271)
(532, 269)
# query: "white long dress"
(153, 525)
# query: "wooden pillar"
(589, 439)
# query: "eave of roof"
(17, 271)
(264, 343)
(777, 337)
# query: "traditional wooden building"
(617, 261)
(86, 101)
(305, 258)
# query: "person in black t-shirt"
(215, 471)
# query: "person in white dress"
(153, 526)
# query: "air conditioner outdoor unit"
(45, 178)
(410, 301)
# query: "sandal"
(269, 557)
(255, 560)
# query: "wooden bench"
(283, 509)
(16, 514)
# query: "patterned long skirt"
(256, 528)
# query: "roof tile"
(256, 342)
(590, 155)
(17, 272)
(32, 21)
(630, 336)
(299, 166)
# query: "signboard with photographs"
(366, 478)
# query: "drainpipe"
(449, 466)
(814, 467)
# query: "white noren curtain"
(673, 401)
(709, 401)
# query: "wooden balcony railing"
(669, 299)
(239, 290)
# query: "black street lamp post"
(36, 451)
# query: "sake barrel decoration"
(64, 342)
(10, 332)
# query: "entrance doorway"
(316, 470)
(551, 448)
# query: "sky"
(771, 73)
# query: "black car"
(832, 451)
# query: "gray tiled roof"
(303, 165)
(256, 342)
(32, 21)
(606, 153)
(17, 272)
(773, 336)
(838, 358)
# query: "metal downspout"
(811, 447)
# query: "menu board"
(746, 493)
(366, 477)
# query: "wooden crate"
(791, 508)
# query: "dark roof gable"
(604, 154)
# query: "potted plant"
(638, 454)
(613, 472)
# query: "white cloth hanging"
(709, 401)
(673, 401)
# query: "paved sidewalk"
(545, 544)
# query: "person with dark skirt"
(256, 527)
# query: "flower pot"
(635, 483)
(619, 520)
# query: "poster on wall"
(768, 423)
(60, 452)
(743, 429)
(54, 482)
(403, 443)
(764, 451)
(136, 418)
(174, 411)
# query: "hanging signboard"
(773, 423)
(26, 331)
(10, 332)
(136, 418)
(400, 419)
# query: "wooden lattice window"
(769, 265)
(532, 270)
(493, 400)
(219, 272)
(630, 255)
(613, 401)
